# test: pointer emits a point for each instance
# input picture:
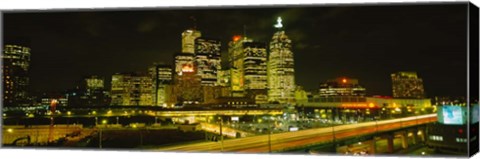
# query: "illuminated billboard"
(452, 115)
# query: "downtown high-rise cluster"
(256, 73)
(252, 76)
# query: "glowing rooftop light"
(187, 68)
(236, 38)
(344, 80)
(279, 23)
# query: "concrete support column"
(421, 135)
(373, 146)
(333, 113)
(404, 138)
(390, 138)
(414, 137)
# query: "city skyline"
(338, 43)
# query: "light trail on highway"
(289, 140)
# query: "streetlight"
(221, 133)
(96, 121)
(269, 135)
(333, 132)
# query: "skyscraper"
(236, 56)
(281, 74)
(188, 89)
(188, 40)
(131, 89)
(186, 58)
(207, 60)
(255, 65)
(407, 85)
(16, 63)
(162, 77)
(248, 60)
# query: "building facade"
(15, 68)
(223, 77)
(183, 61)
(236, 60)
(89, 92)
(248, 62)
(207, 60)
(188, 88)
(188, 40)
(407, 85)
(255, 66)
(281, 73)
(162, 76)
(341, 87)
(131, 89)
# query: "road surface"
(288, 140)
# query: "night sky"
(364, 42)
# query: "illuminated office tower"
(341, 87)
(90, 92)
(248, 60)
(188, 89)
(182, 61)
(236, 56)
(16, 63)
(223, 77)
(94, 83)
(281, 74)
(207, 60)
(131, 89)
(188, 40)
(187, 56)
(407, 85)
(162, 77)
(255, 65)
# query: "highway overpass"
(291, 140)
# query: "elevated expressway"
(290, 140)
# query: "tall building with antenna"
(281, 73)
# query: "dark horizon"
(363, 42)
